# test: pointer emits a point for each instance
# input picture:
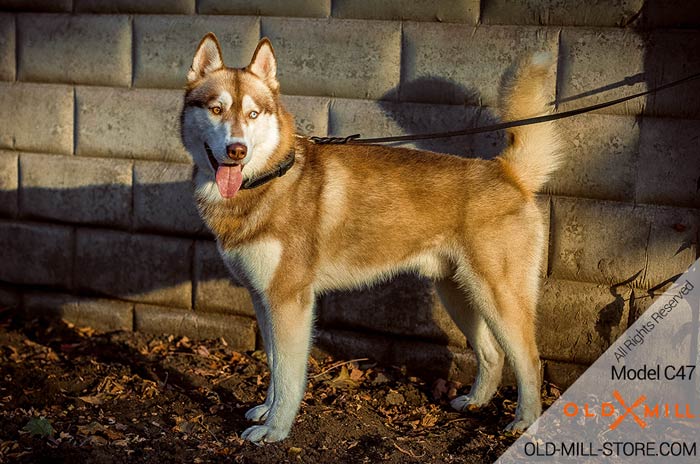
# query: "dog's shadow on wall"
(452, 114)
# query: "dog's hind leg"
(509, 311)
(488, 353)
(289, 338)
(260, 412)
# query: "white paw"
(258, 413)
(466, 403)
(260, 434)
(519, 425)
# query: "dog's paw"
(260, 434)
(518, 425)
(467, 403)
(258, 413)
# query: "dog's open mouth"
(228, 176)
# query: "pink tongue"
(229, 180)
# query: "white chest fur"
(258, 261)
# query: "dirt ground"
(70, 395)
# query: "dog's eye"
(215, 109)
(253, 114)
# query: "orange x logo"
(628, 411)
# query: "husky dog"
(294, 219)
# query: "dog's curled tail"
(533, 150)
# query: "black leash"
(356, 138)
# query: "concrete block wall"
(97, 224)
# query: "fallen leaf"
(356, 374)
(96, 400)
(428, 420)
(86, 331)
(39, 426)
(343, 380)
(202, 351)
(89, 429)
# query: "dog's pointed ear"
(264, 63)
(206, 59)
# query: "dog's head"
(231, 117)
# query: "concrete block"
(442, 11)
(302, 8)
(164, 199)
(600, 158)
(668, 170)
(406, 306)
(239, 332)
(121, 123)
(36, 117)
(673, 242)
(53, 48)
(596, 241)
(165, 45)
(9, 182)
(215, 288)
(344, 58)
(434, 361)
(592, 69)
(310, 114)
(7, 47)
(671, 14)
(135, 6)
(143, 268)
(672, 55)
(99, 313)
(579, 321)
(563, 374)
(37, 254)
(48, 6)
(451, 63)
(544, 203)
(10, 297)
(346, 344)
(609, 243)
(561, 12)
(81, 190)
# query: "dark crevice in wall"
(16, 26)
(132, 30)
(193, 264)
(75, 121)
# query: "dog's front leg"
(290, 319)
(261, 411)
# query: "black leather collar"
(278, 171)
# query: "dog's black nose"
(236, 151)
